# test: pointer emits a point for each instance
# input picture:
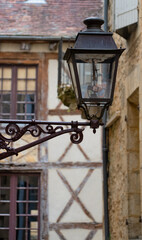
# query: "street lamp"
(93, 66)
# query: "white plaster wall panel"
(74, 176)
(75, 214)
(58, 195)
(53, 100)
(53, 236)
(74, 154)
(81, 234)
(91, 144)
(98, 235)
(76, 234)
(90, 195)
(52, 84)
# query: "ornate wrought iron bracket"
(13, 130)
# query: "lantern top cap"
(94, 24)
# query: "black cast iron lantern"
(93, 66)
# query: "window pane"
(21, 117)
(4, 234)
(4, 181)
(4, 208)
(22, 181)
(4, 194)
(21, 108)
(7, 73)
(30, 108)
(5, 116)
(5, 108)
(21, 73)
(33, 194)
(6, 97)
(6, 84)
(21, 208)
(33, 235)
(4, 221)
(21, 85)
(31, 73)
(30, 97)
(31, 86)
(32, 222)
(32, 208)
(20, 235)
(21, 222)
(21, 97)
(30, 117)
(21, 194)
(33, 181)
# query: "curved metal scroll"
(13, 132)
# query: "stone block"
(133, 161)
(134, 205)
(133, 139)
(134, 182)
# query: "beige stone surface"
(125, 154)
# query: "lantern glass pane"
(95, 75)
(73, 78)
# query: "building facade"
(124, 124)
(54, 190)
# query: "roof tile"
(55, 18)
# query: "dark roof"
(55, 18)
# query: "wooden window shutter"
(126, 16)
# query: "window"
(19, 206)
(18, 91)
(126, 16)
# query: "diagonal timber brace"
(14, 130)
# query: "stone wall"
(124, 135)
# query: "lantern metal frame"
(92, 41)
(82, 102)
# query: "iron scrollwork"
(14, 130)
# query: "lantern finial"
(94, 23)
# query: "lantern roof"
(94, 37)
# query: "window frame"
(14, 79)
(13, 188)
